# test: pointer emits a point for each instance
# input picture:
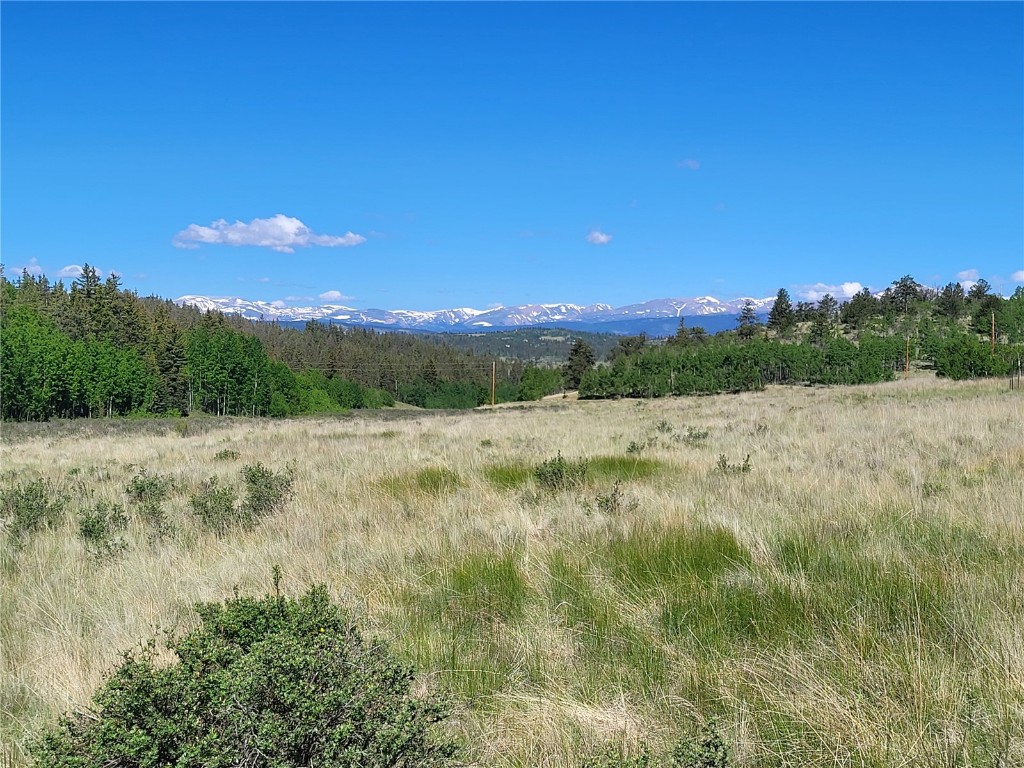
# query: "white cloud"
(279, 304)
(597, 237)
(1018, 276)
(281, 233)
(817, 291)
(32, 268)
(967, 274)
(689, 164)
(298, 298)
(333, 296)
(71, 270)
(968, 284)
(264, 279)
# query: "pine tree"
(581, 359)
(951, 301)
(781, 318)
(747, 321)
(627, 346)
(904, 292)
(859, 309)
(829, 307)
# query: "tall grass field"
(833, 576)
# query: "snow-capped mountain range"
(468, 320)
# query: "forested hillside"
(539, 346)
(95, 349)
(867, 339)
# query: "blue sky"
(433, 155)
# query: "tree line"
(94, 349)
(956, 332)
(868, 338)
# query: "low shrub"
(725, 467)
(266, 491)
(615, 502)
(709, 751)
(559, 474)
(146, 489)
(693, 436)
(30, 507)
(98, 528)
(270, 682)
(215, 506)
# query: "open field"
(850, 595)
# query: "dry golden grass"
(870, 612)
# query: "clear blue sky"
(435, 155)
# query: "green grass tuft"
(457, 622)
(624, 468)
(652, 558)
(508, 476)
(430, 481)
(437, 481)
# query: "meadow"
(832, 575)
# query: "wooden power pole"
(494, 365)
(993, 333)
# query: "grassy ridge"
(854, 598)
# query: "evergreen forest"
(95, 349)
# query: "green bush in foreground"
(268, 683)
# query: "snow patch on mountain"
(467, 318)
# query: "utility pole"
(906, 367)
(993, 333)
(494, 365)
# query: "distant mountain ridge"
(468, 320)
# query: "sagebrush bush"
(266, 491)
(272, 682)
(615, 502)
(559, 474)
(696, 435)
(215, 505)
(31, 506)
(708, 751)
(725, 467)
(99, 526)
(146, 489)
(147, 493)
